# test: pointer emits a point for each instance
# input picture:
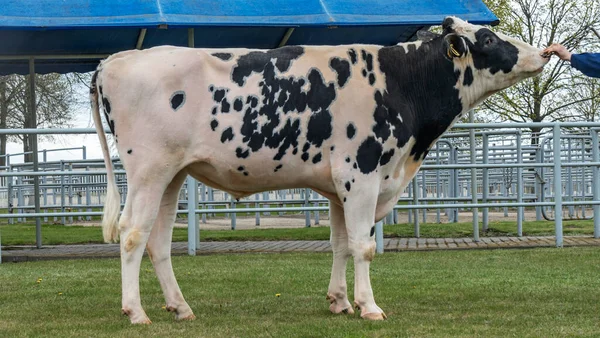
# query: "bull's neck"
(421, 87)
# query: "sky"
(83, 119)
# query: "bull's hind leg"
(359, 211)
(144, 195)
(337, 294)
(159, 250)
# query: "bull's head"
(495, 60)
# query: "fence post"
(88, 193)
(257, 205)
(438, 187)
(538, 182)
(473, 151)
(192, 188)
(316, 204)
(9, 188)
(569, 181)
(558, 226)
(415, 190)
(596, 184)
(519, 185)
(306, 213)
(424, 194)
(379, 237)
(485, 184)
(70, 182)
(455, 185)
(203, 199)
(233, 214)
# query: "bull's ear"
(425, 36)
(454, 46)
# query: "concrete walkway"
(50, 252)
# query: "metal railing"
(488, 167)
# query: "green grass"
(24, 234)
(489, 293)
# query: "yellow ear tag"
(454, 51)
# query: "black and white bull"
(351, 122)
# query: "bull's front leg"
(337, 294)
(359, 211)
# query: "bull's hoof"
(181, 315)
(136, 319)
(188, 317)
(373, 316)
(370, 315)
(337, 307)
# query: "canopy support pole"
(286, 37)
(34, 152)
(140, 40)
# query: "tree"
(56, 99)
(556, 93)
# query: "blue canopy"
(72, 35)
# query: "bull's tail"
(112, 203)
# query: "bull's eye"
(489, 41)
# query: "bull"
(351, 122)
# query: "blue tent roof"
(84, 27)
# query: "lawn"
(480, 293)
(24, 234)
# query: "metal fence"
(492, 167)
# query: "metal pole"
(538, 183)
(190, 37)
(557, 188)
(203, 199)
(307, 213)
(485, 184)
(571, 209)
(437, 181)
(233, 215)
(474, 179)
(415, 190)
(192, 185)
(316, 204)
(582, 182)
(424, 195)
(34, 150)
(257, 215)
(455, 186)
(379, 237)
(519, 186)
(595, 185)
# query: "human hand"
(559, 50)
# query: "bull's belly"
(249, 179)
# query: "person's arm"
(587, 63)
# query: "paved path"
(28, 253)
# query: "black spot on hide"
(468, 80)
(350, 131)
(342, 69)
(227, 135)
(352, 54)
(317, 158)
(177, 99)
(214, 124)
(368, 155)
(256, 62)
(223, 56)
(385, 157)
